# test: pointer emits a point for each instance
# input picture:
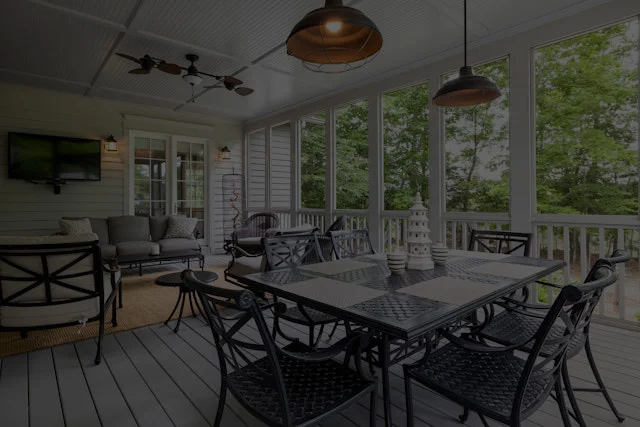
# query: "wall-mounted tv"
(53, 158)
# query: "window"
(312, 161)
(281, 166)
(256, 171)
(586, 92)
(190, 181)
(150, 176)
(406, 146)
(477, 149)
(352, 156)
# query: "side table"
(174, 280)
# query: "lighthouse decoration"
(418, 241)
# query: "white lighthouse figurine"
(418, 241)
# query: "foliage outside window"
(477, 149)
(280, 173)
(352, 156)
(406, 146)
(587, 123)
(312, 161)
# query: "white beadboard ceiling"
(69, 45)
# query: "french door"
(168, 176)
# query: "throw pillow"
(72, 227)
(181, 228)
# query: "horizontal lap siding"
(281, 167)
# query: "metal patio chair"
(351, 243)
(290, 386)
(498, 241)
(520, 320)
(496, 382)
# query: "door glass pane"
(157, 149)
(183, 151)
(141, 147)
(150, 174)
(197, 172)
(197, 152)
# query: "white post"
(294, 158)
(521, 142)
(267, 169)
(437, 183)
(376, 170)
(330, 168)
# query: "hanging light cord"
(465, 33)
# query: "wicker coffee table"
(174, 280)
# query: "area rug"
(144, 304)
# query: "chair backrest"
(233, 352)
(505, 242)
(351, 243)
(570, 310)
(291, 250)
(337, 225)
(41, 272)
(258, 224)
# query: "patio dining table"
(402, 310)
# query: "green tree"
(477, 149)
(352, 156)
(312, 165)
(406, 146)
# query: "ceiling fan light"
(339, 36)
(466, 90)
(192, 79)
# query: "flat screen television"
(53, 158)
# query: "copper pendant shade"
(334, 38)
(467, 89)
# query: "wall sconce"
(110, 145)
(224, 153)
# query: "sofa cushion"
(172, 245)
(70, 227)
(134, 248)
(246, 265)
(100, 226)
(108, 251)
(12, 316)
(128, 228)
(182, 228)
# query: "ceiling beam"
(133, 23)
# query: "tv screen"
(43, 157)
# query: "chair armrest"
(553, 285)
(111, 266)
(466, 343)
(329, 352)
(237, 252)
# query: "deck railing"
(578, 241)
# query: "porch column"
(330, 167)
(376, 170)
(294, 141)
(521, 142)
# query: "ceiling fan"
(193, 75)
(147, 63)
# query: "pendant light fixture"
(334, 39)
(467, 89)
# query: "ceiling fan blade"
(232, 80)
(212, 87)
(129, 57)
(140, 71)
(244, 91)
(169, 68)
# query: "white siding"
(28, 209)
(256, 171)
(281, 166)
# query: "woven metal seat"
(497, 382)
(312, 388)
(489, 380)
(291, 386)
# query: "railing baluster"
(549, 256)
(583, 252)
(566, 244)
(454, 234)
(620, 284)
(465, 237)
(601, 254)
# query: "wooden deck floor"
(153, 377)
